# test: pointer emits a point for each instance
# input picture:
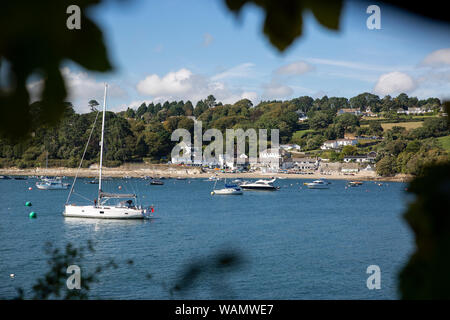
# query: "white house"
(347, 142)
(301, 116)
(369, 113)
(306, 163)
(290, 147)
(355, 112)
(334, 144)
(226, 161)
(271, 159)
(359, 159)
(330, 144)
(413, 110)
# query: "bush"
(386, 167)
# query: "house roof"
(304, 159)
(356, 157)
(345, 139)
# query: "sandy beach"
(171, 171)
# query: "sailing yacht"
(230, 189)
(103, 208)
(46, 183)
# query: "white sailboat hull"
(105, 212)
(227, 191)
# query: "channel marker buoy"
(32, 215)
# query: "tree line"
(144, 133)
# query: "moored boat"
(52, 184)
(266, 185)
(317, 184)
(106, 205)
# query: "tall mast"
(101, 145)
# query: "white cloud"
(240, 71)
(81, 88)
(173, 83)
(275, 90)
(394, 83)
(437, 58)
(185, 85)
(207, 39)
(355, 65)
(295, 68)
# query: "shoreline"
(189, 172)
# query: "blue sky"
(188, 49)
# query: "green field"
(445, 143)
(301, 133)
(407, 125)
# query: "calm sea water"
(296, 243)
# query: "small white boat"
(317, 184)
(260, 185)
(52, 184)
(227, 191)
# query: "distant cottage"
(334, 144)
(355, 112)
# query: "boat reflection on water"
(99, 224)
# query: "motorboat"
(156, 182)
(52, 184)
(354, 183)
(106, 205)
(317, 184)
(260, 185)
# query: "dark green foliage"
(284, 19)
(425, 276)
(320, 120)
(386, 167)
(35, 40)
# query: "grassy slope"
(445, 142)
